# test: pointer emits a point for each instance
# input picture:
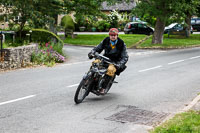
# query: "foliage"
(43, 13)
(91, 21)
(41, 36)
(22, 8)
(86, 7)
(188, 122)
(123, 20)
(80, 20)
(198, 11)
(113, 19)
(150, 10)
(48, 54)
(18, 42)
(161, 13)
(103, 25)
(67, 22)
(46, 12)
(1, 18)
(87, 21)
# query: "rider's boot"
(105, 84)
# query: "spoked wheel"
(83, 90)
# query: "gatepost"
(2, 54)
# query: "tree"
(159, 9)
(166, 12)
(43, 13)
(198, 10)
(22, 8)
(189, 8)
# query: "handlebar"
(106, 59)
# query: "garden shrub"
(103, 25)
(14, 27)
(42, 36)
(67, 22)
(80, 21)
(113, 19)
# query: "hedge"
(42, 35)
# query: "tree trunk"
(158, 32)
(21, 29)
(53, 25)
(188, 22)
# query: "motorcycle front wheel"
(83, 90)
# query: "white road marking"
(178, 61)
(195, 57)
(150, 69)
(86, 48)
(144, 53)
(75, 63)
(15, 100)
(72, 85)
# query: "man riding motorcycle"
(115, 49)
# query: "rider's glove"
(91, 54)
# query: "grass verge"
(174, 41)
(93, 40)
(187, 122)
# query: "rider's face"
(113, 37)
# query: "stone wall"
(16, 57)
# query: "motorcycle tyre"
(82, 83)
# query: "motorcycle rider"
(115, 49)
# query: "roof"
(118, 6)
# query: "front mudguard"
(87, 75)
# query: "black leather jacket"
(118, 54)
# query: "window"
(192, 21)
(142, 26)
(198, 22)
(134, 25)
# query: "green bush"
(42, 36)
(14, 27)
(67, 22)
(113, 19)
(103, 25)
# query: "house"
(122, 8)
(3, 22)
(3, 18)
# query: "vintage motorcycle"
(93, 80)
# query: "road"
(155, 84)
